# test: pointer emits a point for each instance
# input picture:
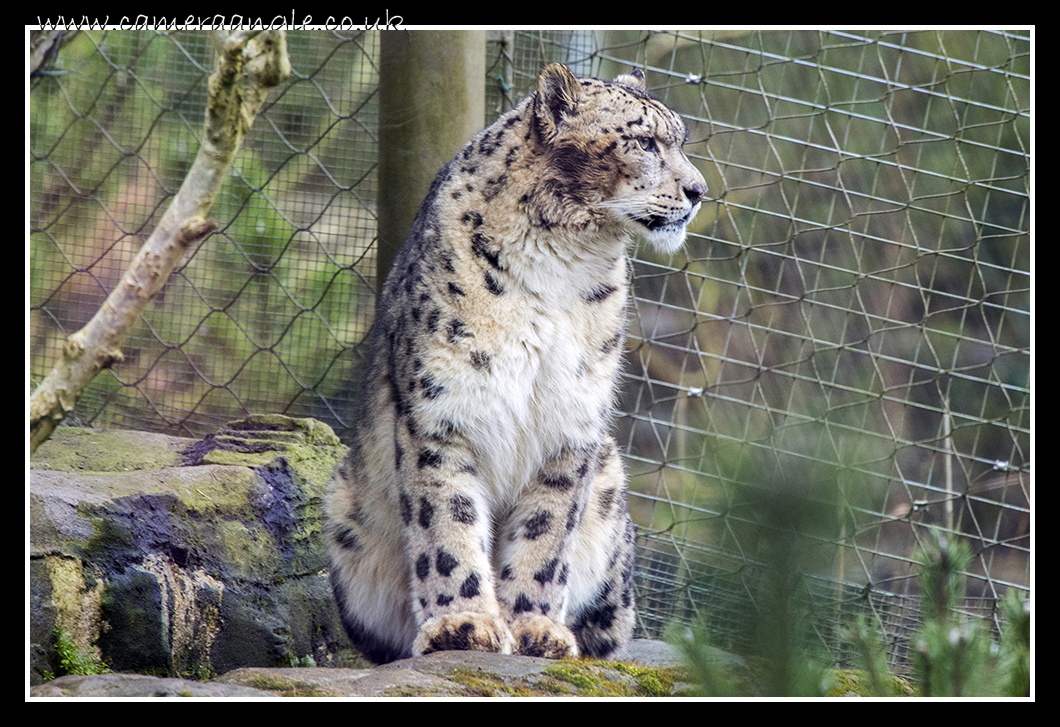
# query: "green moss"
(73, 449)
(568, 678)
(606, 679)
(199, 673)
(478, 683)
(854, 682)
(300, 661)
(652, 682)
(577, 675)
(284, 688)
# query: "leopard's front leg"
(534, 552)
(447, 530)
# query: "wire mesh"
(845, 337)
(263, 316)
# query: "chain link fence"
(848, 326)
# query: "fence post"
(432, 99)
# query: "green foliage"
(875, 675)
(709, 675)
(786, 511)
(72, 660)
(1014, 657)
(953, 656)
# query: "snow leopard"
(483, 503)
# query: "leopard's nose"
(696, 192)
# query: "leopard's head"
(617, 151)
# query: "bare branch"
(247, 66)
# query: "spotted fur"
(483, 505)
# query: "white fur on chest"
(538, 397)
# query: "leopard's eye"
(647, 143)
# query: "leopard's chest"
(549, 384)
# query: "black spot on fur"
(546, 574)
(480, 360)
(488, 145)
(474, 218)
(462, 509)
(509, 158)
(572, 517)
(347, 539)
(557, 482)
(579, 171)
(455, 289)
(493, 187)
(607, 498)
(446, 431)
(600, 294)
(426, 513)
(583, 469)
(410, 425)
(444, 599)
(612, 343)
(537, 524)
(598, 648)
(423, 566)
(480, 247)
(456, 329)
(470, 587)
(445, 562)
(429, 458)
(601, 617)
(431, 388)
(405, 508)
(400, 406)
(493, 285)
(523, 604)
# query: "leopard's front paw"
(541, 636)
(466, 631)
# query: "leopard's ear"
(633, 79)
(557, 95)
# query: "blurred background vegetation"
(850, 317)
